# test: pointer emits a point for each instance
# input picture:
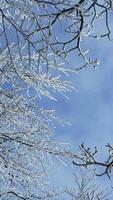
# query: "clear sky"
(90, 110)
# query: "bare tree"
(86, 189)
(37, 37)
(89, 157)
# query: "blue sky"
(90, 110)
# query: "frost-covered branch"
(36, 39)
